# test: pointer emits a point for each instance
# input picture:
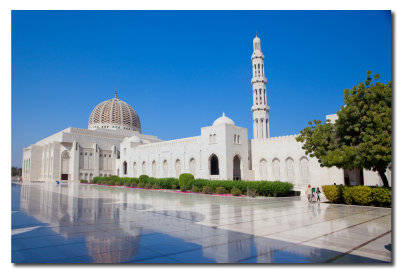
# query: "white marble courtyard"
(75, 223)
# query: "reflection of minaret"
(260, 108)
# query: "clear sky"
(181, 69)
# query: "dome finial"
(223, 114)
(256, 33)
(116, 92)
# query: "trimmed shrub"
(141, 185)
(207, 190)
(236, 192)
(252, 193)
(173, 187)
(220, 190)
(143, 178)
(147, 186)
(133, 184)
(83, 181)
(334, 193)
(156, 186)
(195, 189)
(186, 181)
(357, 195)
(382, 197)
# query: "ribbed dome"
(114, 114)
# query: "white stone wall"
(193, 154)
(283, 159)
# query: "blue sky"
(181, 69)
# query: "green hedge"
(358, 195)
(263, 188)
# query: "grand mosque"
(114, 144)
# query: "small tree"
(361, 137)
(186, 181)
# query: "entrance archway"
(236, 168)
(65, 165)
(214, 165)
(125, 167)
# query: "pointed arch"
(144, 167)
(177, 168)
(263, 169)
(192, 166)
(154, 169)
(213, 165)
(165, 168)
(237, 172)
(125, 168)
(304, 170)
(65, 165)
(276, 168)
(289, 169)
(134, 169)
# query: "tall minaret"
(260, 108)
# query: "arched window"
(263, 169)
(290, 169)
(238, 138)
(211, 139)
(304, 171)
(153, 169)
(125, 167)
(134, 169)
(144, 167)
(192, 166)
(214, 138)
(276, 169)
(234, 139)
(177, 168)
(165, 168)
(214, 165)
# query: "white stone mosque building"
(113, 144)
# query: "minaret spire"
(260, 108)
(116, 92)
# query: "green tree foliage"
(15, 171)
(361, 138)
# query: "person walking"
(308, 191)
(318, 193)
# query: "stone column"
(74, 162)
(96, 160)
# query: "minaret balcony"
(260, 107)
(258, 79)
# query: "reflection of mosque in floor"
(135, 216)
(114, 144)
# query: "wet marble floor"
(75, 223)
